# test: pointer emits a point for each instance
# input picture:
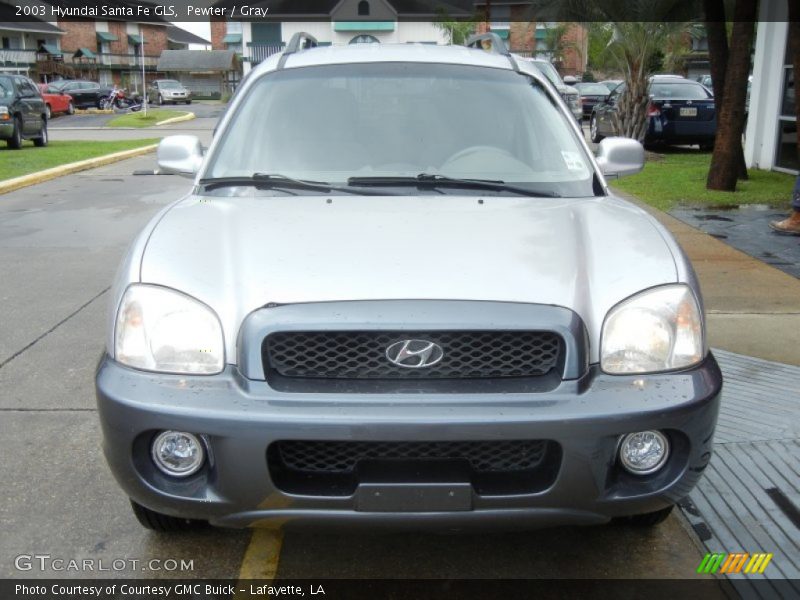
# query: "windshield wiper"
(433, 180)
(272, 180)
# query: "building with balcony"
(334, 22)
(27, 48)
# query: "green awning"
(232, 38)
(50, 49)
(135, 39)
(105, 36)
(503, 33)
(84, 52)
(363, 26)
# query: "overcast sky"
(197, 28)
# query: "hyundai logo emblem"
(414, 354)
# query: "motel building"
(771, 135)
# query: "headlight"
(658, 330)
(159, 329)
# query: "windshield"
(678, 91)
(169, 84)
(6, 87)
(334, 123)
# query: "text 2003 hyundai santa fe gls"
(400, 291)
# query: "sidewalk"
(752, 308)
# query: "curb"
(182, 118)
(90, 163)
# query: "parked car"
(591, 94)
(56, 101)
(611, 83)
(401, 290)
(23, 115)
(161, 91)
(680, 112)
(570, 94)
(85, 94)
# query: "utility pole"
(144, 83)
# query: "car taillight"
(653, 110)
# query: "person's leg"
(791, 225)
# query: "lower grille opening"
(335, 468)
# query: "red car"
(56, 101)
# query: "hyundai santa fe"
(401, 292)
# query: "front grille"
(343, 457)
(362, 354)
(337, 468)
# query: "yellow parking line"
(261, 558)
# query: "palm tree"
(641, 30)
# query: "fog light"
(178, 453)
(644, 452)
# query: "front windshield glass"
(6, 87)
(331, 123)
(169, 83)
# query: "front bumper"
(6, 129)
(239, 418)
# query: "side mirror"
(619, 157)
(180, 154)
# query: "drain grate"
(749, 497)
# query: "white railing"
(259, 52)
(18, 57)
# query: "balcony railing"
(259, 52)
(17, 58)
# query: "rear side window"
(679, 91)
(6, 87)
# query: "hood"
(237, 254)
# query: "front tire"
(155, 521)
(15, 141)
(41, 141)
(48, 111)
(70, 109)
(650, 519)
(160, 100)
(594, 134)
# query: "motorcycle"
(119, 99)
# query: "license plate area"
(413, 497)
(420, 486)
(688, 111)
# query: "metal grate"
(342, 457)
(362, 354)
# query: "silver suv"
(400, 291)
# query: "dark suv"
(22, 112)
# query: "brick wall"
(119, 30)
(522, 33)
(575, 57)
(78, 34)
(218, 31)
(155, 37)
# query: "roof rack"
(300, 41)
(498, 45)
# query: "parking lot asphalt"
(60, 242)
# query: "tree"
(599, 36)
(640, 31)
(727, 159)
(557, 43)
(717, 35)
(634, 47)
(458, 31)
